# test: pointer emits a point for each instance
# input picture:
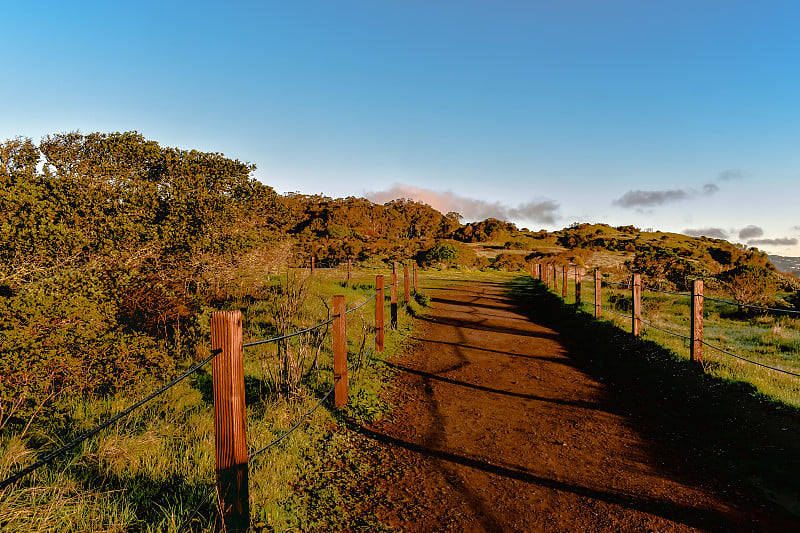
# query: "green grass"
(148, 471)
(728, 426)
(771, 340)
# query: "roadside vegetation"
(151, 470)
(770, 338)
(114, 252)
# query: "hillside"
(789, 265)
(125, 242)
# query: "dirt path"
(499, 429)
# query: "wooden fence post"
(406, 287)
(393, 299)
(340, 351)
(636, 293)
(312, 265)
(696, 348)
(578, 281)
(564, 278)
(555, 278)
(539, 271)
(229, 419)
(379, 300)
(416, 287)
(598, 294)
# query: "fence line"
(650, 324)
(653, 289)
(290, 335)
(749, 361)
(757, 307)
(232, 351)
(697, 298)
(233, 494)
(52, 455)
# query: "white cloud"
(639, 198)
(543, 211)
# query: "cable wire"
(295, 334)
(749, 360)
(197, 509)
(650, 324)
(52, 455)
(615, 312)
(362, 304)
(297, 425)
(789, 311)
(653, 289)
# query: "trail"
(498, 428)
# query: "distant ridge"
(786, 264)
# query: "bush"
(441, 253)
(510, 262)
(62, 334)
(749, 284)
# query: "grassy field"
(150, 470)
(770, 339)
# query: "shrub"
(510, 262)
(749, 284)
(441, 253)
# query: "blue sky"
(681, 116)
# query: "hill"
(790, 265)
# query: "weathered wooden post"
(598, 294)
(564, 278)
(312, 265)
(696, 348)
(339, 351)
(636, 293)
(416, 286)
(555, 278)
(406, 286)
(379, 300)
(393, 299)
(578, 281)
(229, 419)
(539, 271)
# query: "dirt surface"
(499, 428)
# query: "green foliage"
(749, 284)
(490, 229)
(64, 334)
(441, 253)
(105, 241)
(664, 269)
(510, 262)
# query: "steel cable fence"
(90, 433)
(726, 352)
(757, 307)
(619, 285)
(99, 427)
